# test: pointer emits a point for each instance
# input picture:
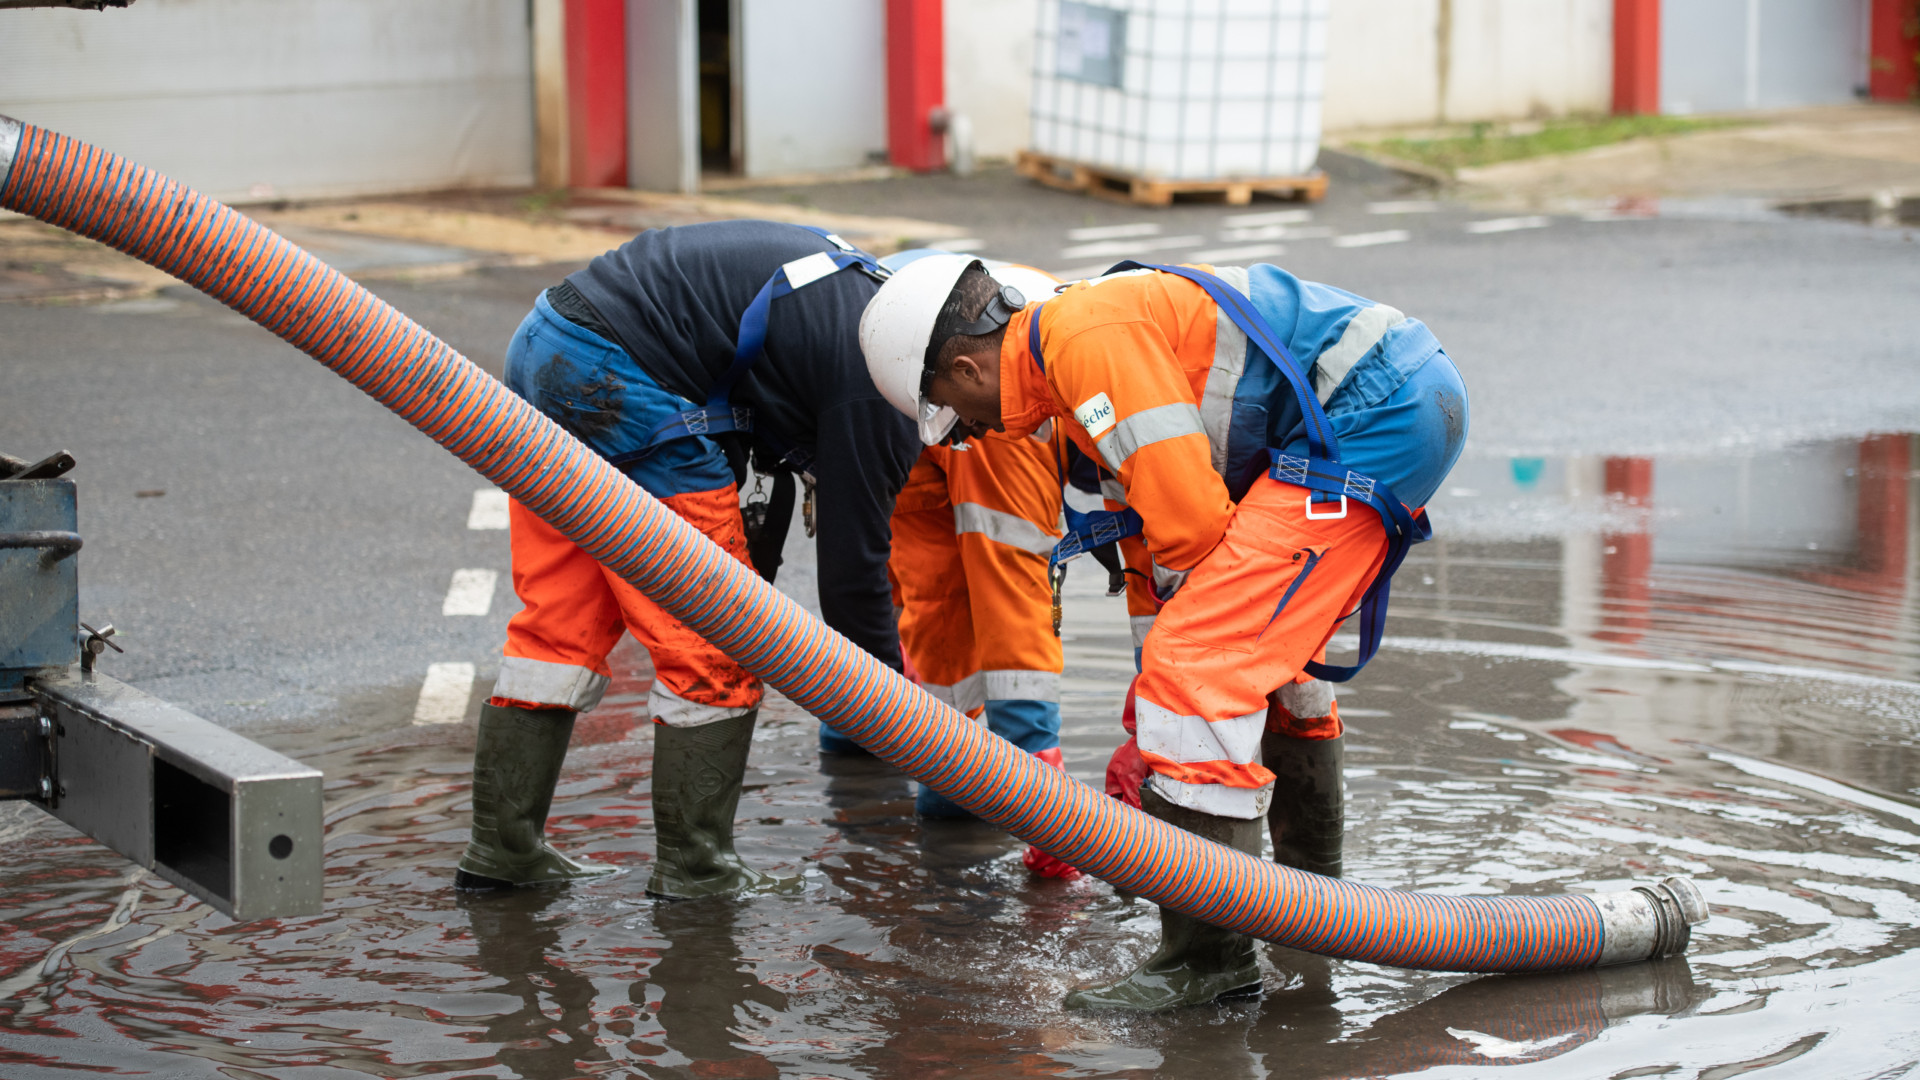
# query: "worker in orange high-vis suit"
(1273, 440)
(759, 320)
(972, 530)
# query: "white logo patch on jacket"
(1096, 415)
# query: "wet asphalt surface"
(1669, 627)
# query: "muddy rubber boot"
(697, 773)
(1308, 817)
(1196, 962)
(832, 742)
(516, 763)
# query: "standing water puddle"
(1611, 670)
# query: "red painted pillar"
(1636, 57)
(1893, 72)
(1626, 560)
(916, 83)
(597, 93)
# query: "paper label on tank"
(1096, 415)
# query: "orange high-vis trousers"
(575, 611)
(1225, 656)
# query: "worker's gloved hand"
(1127, 770)
(1039, 861)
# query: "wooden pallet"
(1144, 191)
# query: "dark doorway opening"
(717, 150)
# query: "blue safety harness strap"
(1320, 471)
(719, 415)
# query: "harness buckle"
(1311, 516)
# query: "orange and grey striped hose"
(215, 248)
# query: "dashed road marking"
(1229, 254)
(1370, 239)
(1114, 232)
(489, 509)
(1275, 232)
(1508, 224)
(1269, 217)
(1403, 206)
(1081, 273)
(443, 697)
(1130, 247)
(471, 593)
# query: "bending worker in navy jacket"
(760, 322)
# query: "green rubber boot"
(697, 773)
(1196, 962)
(516, 763)
(1308, 817)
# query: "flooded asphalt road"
(1726, 690)
(1609, 668)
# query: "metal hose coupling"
(1648, 922)
(10, 131)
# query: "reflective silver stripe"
(1229, 363)
(1113, 489)
(10, 131)
(1308, 700)
(1195, 740)
(1014, 685)
(1247, 804)
(675, 711)
(1142, 626)
(1167, 582)
(542, 682)
(966, 695)
(1363, 332)
(1146, 427)
(1002, 528)
(1043, 433)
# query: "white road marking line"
(1228, 254)
(1403, 206)
(1276, 232)
(1616, 215)
(1369, 239)
(1130, 247)
(471, 592)
(1114, 232)
(489, 509)
(1507, 224)
(443, 697)
(1270, 217)
(961, 243)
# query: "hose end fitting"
(1648, 922)
(10, 130)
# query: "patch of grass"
(1488, 144)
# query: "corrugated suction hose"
(84, 189)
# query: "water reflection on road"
(1611, 670)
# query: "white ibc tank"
(1181, 89)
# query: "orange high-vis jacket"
(1127, 359)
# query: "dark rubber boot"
(516, 763)
(1197, 962)
(697, 773)
(1308, 816)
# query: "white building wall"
(989, 66)
(1518, 58)
(1383, 63)
(813, 84)
(280, 98)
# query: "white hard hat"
(897, 326)
(896, 329)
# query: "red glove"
(1039, 861)
(1127, 770)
